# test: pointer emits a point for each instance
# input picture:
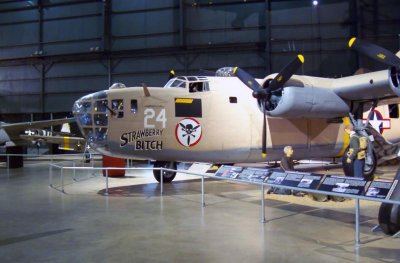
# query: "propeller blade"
(171, 74)
(264, 133)
(375, 52)
(247, 79)
(286, 73)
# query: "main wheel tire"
(369, 170)
(168, 176)
(389, 218)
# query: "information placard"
(342, 184)
(276, 177)
(310, 181)
(292, 179)
(254, 175)
(379, 189)
(227, 171)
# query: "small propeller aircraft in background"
(64, 138)
(14, 134)
(218, 119)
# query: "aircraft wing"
(373, 86)
(12, 128)
(10, 132)
(64, 142)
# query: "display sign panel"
(310, 181)
(276, 178)
(342, 184)
(227, 171)
(379, 189)
(254, 175)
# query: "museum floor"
(135, 224)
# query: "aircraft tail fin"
(66, 128)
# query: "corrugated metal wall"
(54, 51)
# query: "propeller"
(171, 74)
(375, 52)
(263, 94)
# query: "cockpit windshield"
(195, 83)
(176, 83)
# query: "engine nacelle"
(309, 102)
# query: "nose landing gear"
(168, 176)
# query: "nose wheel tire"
(168, 176)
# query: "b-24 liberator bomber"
(232, 117)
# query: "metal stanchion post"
(8, 164)
(202, 192)
(357, 222)
(106, 181)
(62, 180)
(92, 163)
(162, 181)
(263, 220)
(50, 176)
(73, 164)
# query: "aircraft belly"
(168, 154)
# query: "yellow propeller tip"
(264, 155)
(351, 41)
(301, 58)
(234, 70)
(172, 72)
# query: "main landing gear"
(389, 214)
(168, 176)
(389, 218)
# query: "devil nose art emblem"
(188, 132)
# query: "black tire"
(167, 175)
(389, 218)
(394, 225)
(368, 170)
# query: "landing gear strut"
(168, 176)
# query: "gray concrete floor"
(135, 224)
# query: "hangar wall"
(54, 51)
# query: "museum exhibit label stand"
(347, 187)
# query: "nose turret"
(92, 117)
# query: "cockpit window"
(179, 82)
(198, 87)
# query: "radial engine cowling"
(309, 102)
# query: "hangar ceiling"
(54, 51)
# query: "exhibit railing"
(261, 184)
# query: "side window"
(394, 111)
(134, 106)
(198, 87)
(118, 107)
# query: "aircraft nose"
(92, 117)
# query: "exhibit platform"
(134, 223)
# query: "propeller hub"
(260, 94)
